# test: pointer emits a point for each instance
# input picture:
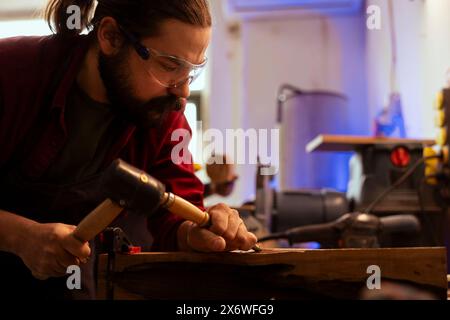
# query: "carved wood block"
(273, 273)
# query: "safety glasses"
(169, 71)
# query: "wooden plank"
(345, 143)
(273, 273)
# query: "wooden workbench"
(273, 273)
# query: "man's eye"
(168, 68)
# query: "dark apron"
(46, 203)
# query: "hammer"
(127, 187)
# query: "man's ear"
(109, 37)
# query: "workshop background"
(258, 46)
(341, 68)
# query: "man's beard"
(115, 74)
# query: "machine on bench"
(406, 180)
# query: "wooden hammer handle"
(186, 210)
(96, 221)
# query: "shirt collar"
(71, 65)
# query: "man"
(70, 105)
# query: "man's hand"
(227, 233)
(51, 248)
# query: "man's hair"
(142, 17)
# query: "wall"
(436, 54)
(423, 33)
(250, 63)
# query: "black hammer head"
(132, 188)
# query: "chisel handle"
(188, 211)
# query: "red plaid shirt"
(28, 67)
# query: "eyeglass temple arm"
(140, 49)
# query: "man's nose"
(182, 91)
